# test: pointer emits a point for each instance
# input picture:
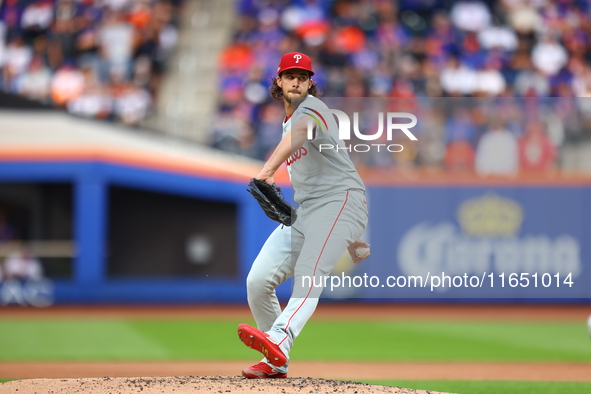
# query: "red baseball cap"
(295, 60)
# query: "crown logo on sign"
(490, 216)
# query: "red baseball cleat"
(261, 342)
(262, 371)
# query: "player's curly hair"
(277, 93)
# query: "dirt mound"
(195, 384)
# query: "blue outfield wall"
(506, 243)
(509, 243)
(90, 182)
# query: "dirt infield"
(567, 372)
(192, 384)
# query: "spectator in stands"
(470, 16)
(531, 82)
(461, 133)
(497, 151)
(460, 124)
(522, 16)
(115, 43)
(36, 83)
(62, 39)
(536, 151)
(459, 156)
(498, 37)
(17, 58)
(132, 105)
(67, 84)
(490, 81)
(549, 56)
(22, 265)
(95, 100)
(581, 85)
(457, 79)
(431, 149)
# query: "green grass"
(445, 341)
(23, 340)
(119, 340)
(489, 387)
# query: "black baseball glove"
(270, 198)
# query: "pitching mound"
(194, 384)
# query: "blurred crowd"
(500, 136)
(412, 49)
(95, 58)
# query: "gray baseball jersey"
(331, 216)
(322, 166)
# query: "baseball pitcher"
(330, 219)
